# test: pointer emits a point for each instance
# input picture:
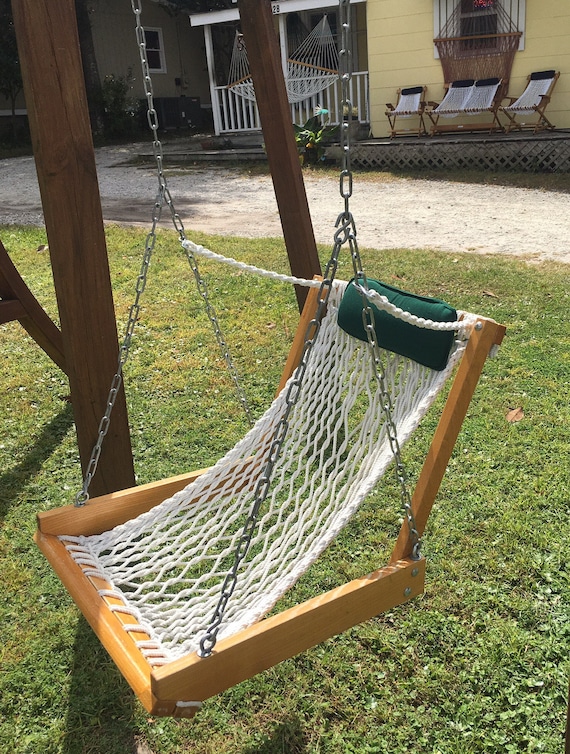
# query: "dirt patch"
(402, 213)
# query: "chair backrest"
(483, 95)
(410, 100)
(457, 96)
(539, 84)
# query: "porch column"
(283, 41)
(216, 114)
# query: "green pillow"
(428, 347)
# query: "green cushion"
(428, 347)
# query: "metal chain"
(163, 197)
(208, 641)
(83, 496)
(345, 70)
(176, 220)
(345, 234)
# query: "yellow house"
(393, 45)
(401, 52)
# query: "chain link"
(344, 235)
(176, 220)
(83, 496)
(163, 197)
(348, 225)
(261, 491)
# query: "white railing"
(233, 113)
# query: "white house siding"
(113, 26)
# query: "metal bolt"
(407, 591)
(415, 571)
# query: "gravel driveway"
(403, 213)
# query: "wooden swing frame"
(279, 637)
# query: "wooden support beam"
(65, 161)
(18, 302)
(275, 113)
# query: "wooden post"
(275, 113)
(18, 302)
(65, 161)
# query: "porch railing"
(233, 113)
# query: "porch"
(233, 113)
(547, 152)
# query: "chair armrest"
(389, 105)
(432, 104)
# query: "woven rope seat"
(166, 567)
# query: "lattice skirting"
(537, 155)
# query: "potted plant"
(313, 136)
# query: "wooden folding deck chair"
(164, 666)
(411, 102)
(533, 101)
(468, 98)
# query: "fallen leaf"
(515, 414)
(490, 294)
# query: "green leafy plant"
(314, 135)
(120, 109)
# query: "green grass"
(478, 664)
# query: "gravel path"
(402, 213)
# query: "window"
(478, 20)
(155, 50)
(472, 18)
(478, 39)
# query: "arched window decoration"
(478, 38)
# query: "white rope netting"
(408, 105)
(310, 69)
(455, 101)
(468, 100)
(482, 98)
(168, 565)
(531, 97)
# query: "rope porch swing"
(175, 577)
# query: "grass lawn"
(478, 664)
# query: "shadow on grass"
(288, 736)
(12, 482)
(100, 715)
